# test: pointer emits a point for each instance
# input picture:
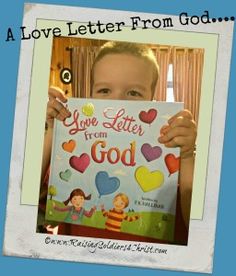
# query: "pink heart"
(80, 163)
(74, 217)
(149, 116)
(151, 153)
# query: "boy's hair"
(124, 198)
(134, 49)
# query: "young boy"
(129, 71)
(116, 216)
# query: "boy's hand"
(181, 131)
(55, 108)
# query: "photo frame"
(203, 220)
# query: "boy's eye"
(134, 93)
(104, 91)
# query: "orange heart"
(69, 146)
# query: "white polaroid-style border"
(21, 238)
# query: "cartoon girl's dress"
(74, 215)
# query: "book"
(108, 171)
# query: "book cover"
(109, 172)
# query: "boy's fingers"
(55, 92)
(180, 141)
(60, 117)
(54, 104)
(183, 149)
(181, 132)
(179, 137)
(174, 132)
(184, 113)
(51, 113)
(164, 129)
(182, 122)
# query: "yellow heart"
(147, 180)
(88, 109)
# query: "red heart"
(172, 163)
(80, 163)
(149, 116)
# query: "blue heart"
(106, 185)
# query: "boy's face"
(118, 203)
(122, 77)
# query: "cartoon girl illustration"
(116, 215)
(76, 210)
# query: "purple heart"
(151, 153)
